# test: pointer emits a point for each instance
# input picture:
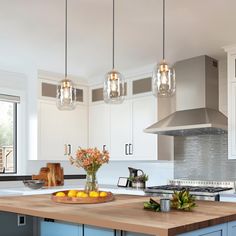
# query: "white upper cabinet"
(232, 121)
(120, 130)
(117, 128)
(144, 114)
(59, 128)
(99, 126)
(120, 126)
(231, 72)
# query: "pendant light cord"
(65, 39)
(113, 35)
(163, 53)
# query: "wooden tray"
(81, 200)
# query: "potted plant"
(139, 181)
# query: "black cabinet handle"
(69, 151)
(126, 149)
(130, 149)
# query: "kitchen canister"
(165, 204)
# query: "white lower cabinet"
(120, 127)
(59, 128)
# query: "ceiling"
(32, 33)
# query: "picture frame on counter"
(123, 182)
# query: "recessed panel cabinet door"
(143, 115)
(96, 231)
(57, 128)
(120, 130)
(232, 121)
(99, 126)
(60, 229)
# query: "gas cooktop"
(207, 189)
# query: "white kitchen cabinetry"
(231, 72)
(99, 126)
(120, 131)
(128, 120)
(59, 128)
(232, 120)
(120, 126)
(144, 113)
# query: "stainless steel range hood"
(197, 96)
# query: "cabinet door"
(99, 126)
(144, 113)
(60, 229)
(232, 228)
(9, 225)
(218, 230)
(120, 130)
(232, 121)
(92, 231)
(57, 128)
(231, 60)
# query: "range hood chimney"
(197, 101)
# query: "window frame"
(15, 134)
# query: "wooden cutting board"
(52, 175)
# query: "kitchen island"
(124, 216)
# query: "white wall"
(158, 172)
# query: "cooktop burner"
(207, 189)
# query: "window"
(8, 138)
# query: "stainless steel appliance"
(197, 96)
(202, 190)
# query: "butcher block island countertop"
(125, 213)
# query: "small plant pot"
(139, 185)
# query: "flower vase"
(91, 181)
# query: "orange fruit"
(60, 194)
(80, 194)
(93, 194)
(72, 193)
(103, 194)
(84, 195)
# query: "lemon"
(60, 194)
(72, 193)
(93, 194)
(84, 195)
(80, 194)
(103, 194)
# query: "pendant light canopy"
(113, 90)
(66, 92)
(163, 78)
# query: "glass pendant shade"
(66, 95)
(163, 80)
(113, 89)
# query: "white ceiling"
(32, 33)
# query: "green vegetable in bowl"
(152, 205)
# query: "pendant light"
(163, 78)
(113, 90)
(66, 92)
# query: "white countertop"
(47, 190)
(229, 193)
